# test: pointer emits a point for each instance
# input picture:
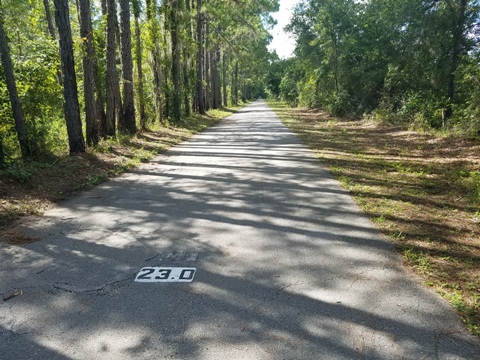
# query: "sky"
(282, 43)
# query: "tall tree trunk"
(174, 27)
(138, 60)
(118, 56)
(112, 77)
(48, 15)
(167, 71)
(186, 86)
(187, 62)
(155, 54)
(70, 92)
(51, 31)
(129, 125)
(100, 86)
(199, 93)
(224, 79)
(218, 87)
(12, 91)
(235, 83)
(456, 50)
(88, 72)
(213, 72)
(207, 68)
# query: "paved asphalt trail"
(287, 265)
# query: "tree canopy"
(133, 63)
(127, 63)
(402, 60)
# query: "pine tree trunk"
(199, 95)
(48, 15)
(187, 64)
(174, 27)
(155, 54)
(208, 79)
(456, 50)
(88, 72)
(12, 91)
(112, 80)
(70, 92)
(186, 86)
(51, 31)
(128, 107)
(100, 85)
(235, 83)
(218, 87)
(224, 80)
(118, 95)
(213, 71)
(138, 59)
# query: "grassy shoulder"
(29, 188)
(421, 190)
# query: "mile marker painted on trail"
(166, 274)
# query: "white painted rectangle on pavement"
(166, 274)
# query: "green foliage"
(235, 32)
(398, 58)
(341, 104)
(35, 57)
(21, 172)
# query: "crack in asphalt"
(101, 290)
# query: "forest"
(405, 62)
(76, 72)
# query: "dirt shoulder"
(421, 190)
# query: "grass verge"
(421, 190)
(29, 188)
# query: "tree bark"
(70, 92)
(456, 50)
(186, 86)
(218, 86)
(200, 95)
(155, 54)
(88, 72)
(112, 78)
(187, 63)
(48, 15)
(20, 126)
(129, 125)
(213, 72)
(51, 31)
(118, 95)
(138, 60)
(174, 27)
(224, 79)
(235, 83)
(166, 69)
(207, 68)
(100, 85)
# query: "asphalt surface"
(287, 266)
